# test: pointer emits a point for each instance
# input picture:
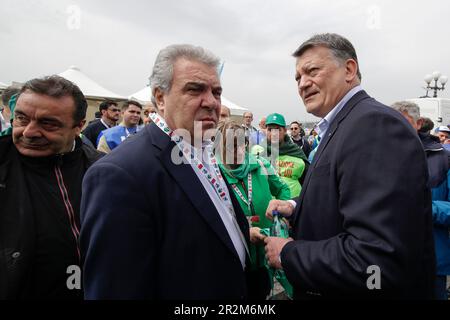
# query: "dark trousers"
(258, 284)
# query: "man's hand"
(273, 249)
(284, 207)
(255, 235)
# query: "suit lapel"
(359, 96)
(188, 181)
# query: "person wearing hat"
(443, 132)
(291, 161)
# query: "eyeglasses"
(294, 128)
(114, 109)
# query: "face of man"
(262, 124)
(443, 136)
(131, 115)
(224, 113)
(194, 96)
(148, 110)
(43, 125)
(112, 113)
(248, 118)
(322, 81)
(295, 130)
(275, 134)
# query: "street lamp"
(435, 76)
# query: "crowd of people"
(177, 200)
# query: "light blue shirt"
(323, 125)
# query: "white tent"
(3, 85)
(234, 108)
(89, 87)
(145, 94)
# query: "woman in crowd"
(254, 183)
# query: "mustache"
(34, 141)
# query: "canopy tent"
(3, 85)
(234, 108)
(89, 87)
(145, 94)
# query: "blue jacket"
(439, 182)
(110, 138)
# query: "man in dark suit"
(110, 114)
(362, 224)
(153, 228)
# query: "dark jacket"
(93, 130)
(304, 145)
(17, 231)
(365, 202)
(150, 230)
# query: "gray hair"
(341, 48)
(162, 74)
(411, 108)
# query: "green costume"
(266, 185)
(290, 164)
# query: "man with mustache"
(41, 169)
(110, 138)
(158, 220)
(362, 225)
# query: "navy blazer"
(365, 202)
(150, 231)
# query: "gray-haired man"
(171, 233)
(362, 224)
(438, 170)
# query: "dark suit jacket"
(150, 231)
(93, 130)
(364, 202)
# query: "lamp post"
(435, 76)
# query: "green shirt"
(266, 185)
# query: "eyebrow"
(40, 120)
(200, 85)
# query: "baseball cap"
(276, 118)
(442, 129)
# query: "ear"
(79, 126)
(351, 69)
(159, 98)
(419, 123)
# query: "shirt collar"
(323, 124)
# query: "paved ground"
(278, 292)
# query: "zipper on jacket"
(69, 209)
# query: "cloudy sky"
(115, 43)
